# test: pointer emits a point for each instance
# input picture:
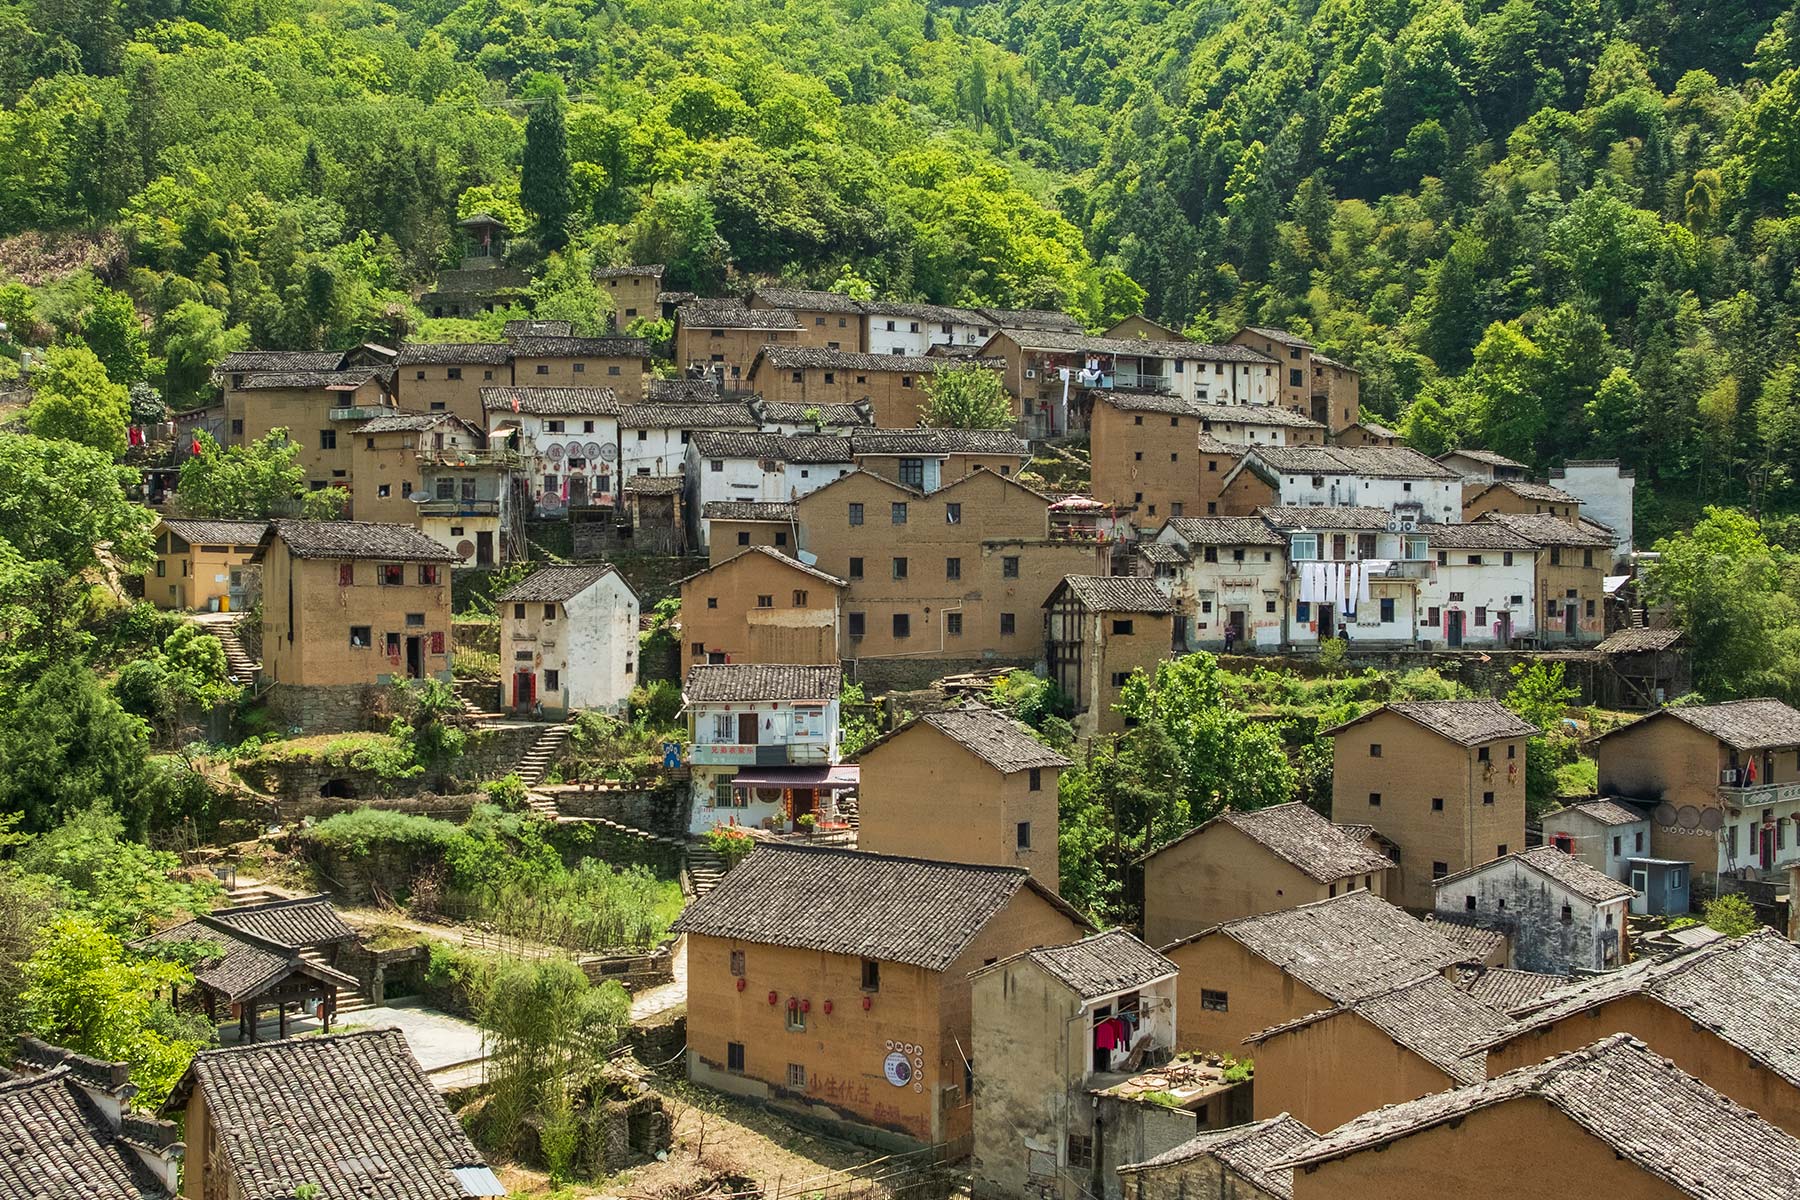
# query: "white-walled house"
(1398, 480)
(1563, 915)
(763, 743)
(1229, 583)
(1481, 592)
(567, 439)
(568, 641)
(899, 327)
(758, 466)
(654, 437)
(1331, 552)
(1606, 493)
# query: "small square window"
(902, 625)
(1007, 625)
(1439, 870)
(1009, 566)
(1487, 797)
(856, 568)
(1374, 749)
(953, 624)
(743, 537)
(856, 514)
(1212, 1001)
(1081, 1150)
(899, 568)
(1437, 804)
(1374, 799)
(1023, 835)
(855, 621)
(765, 601)
(796, 1078)
(898, 512)
(953, 568)
(712, 602)
(360, 637)
(734, 1057)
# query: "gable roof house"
(838, 949)
(1562, 915)
(963, 785)
(763, 743)
(352, 1114)
(719, 339)
(1610, 1119)
(569, 640)
(760, 606)
(203, 563)
(1724, 1012)
(760, 467)
(1234, 1164)
(1098, 629)
(1242, 863)
(70, 1131)
(1256, 972)
(1400, 480)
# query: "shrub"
(1731, 915)
(656, 705)
(363, 830)
(729, 843)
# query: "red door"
(524, 690)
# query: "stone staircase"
(538, 760)
(238, 662)
(704, 867)
(472, 701)
(347, 1001)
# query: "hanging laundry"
(1109, 1034)
(1370, 568)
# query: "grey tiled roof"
(797, 358)
(731, 314)
(580, 347)
(553, 401)
(993, 737)
(352, 1113)
(879, 906)
(654, 485)
(293, 924)
(552, 585)
(1429, 1016)
(1540, 492)
(1375, 462)
(1103, 964)
(841, 416)
(1162, 553)
(1605, 811)
(796, 448)
(1542, 529)
(1327, 516)
(1465, 722)
(749, 510)
(938, 441)
(237, 968)
(682, 391)
(1255, 414)
(1351, 946)
(1226, 531)
(654, 270)
(1473, 535)
(1118, 593)
(1504, 989)
(1648, 1111)
(1483, 456)
(1563, 870)
(1072, 342)
(213, 530)
(940, 313)
(357, 539)
(1479, 940)
(1745, 991)
(243, 362)
(488, 354)
(807, 299)
(339, 381)
(1380, 431)
(1639, 641)
(766, 552)
(719, 683)
(719, 415)
(1280, 336)
(1296, 834)
(400, 422)
(1250, 1151)
(1744, 724)
(535, 328)
(55, 1143)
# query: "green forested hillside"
(1561, 227)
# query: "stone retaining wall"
(879, 675)
(656, 810)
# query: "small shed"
(1661, 885)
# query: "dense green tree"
(967, 398)
(76, 402)
(544, 177)
(263, 479)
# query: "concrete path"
(653, 1002)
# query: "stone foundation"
(320, 708)
(655, 811)
(879, 675)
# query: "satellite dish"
(419, 497)
(608, 452)
(1664, 814)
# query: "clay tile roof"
(682, 391)
(1118, 593)
(400, 422)
(1329, 516)
(653, 270)
(749, 510)
(239, 533)
(731, 314)
(1542, 529)
(811, 301)
(795, 448)
(490, 354)
(332, 381)
(655, 485)
(552, 401)
(1255, 414)
(1345, 948)
(1648, 1111)
(1527, 490)
(1376, 462)
(1379, 430)
(356, 539)
(257, 361)
(1298, 835)
(352, 1113)
(1564, 870)
(1478, 941)
(292, 924)
(775, 412)
(1075, 342)
(553, 585)
(938, 441)
(55, 1142)
(879, 906)
(1162, 552)
(1744, 990)
(616, 346)
(794, 358)
(1481, 456)
(1639, 641)
(720, 683)
(1474, 535)
(237, 967)
(719, 415)
(1249, 1151)
(765, 552)
(1605, 811)
(1278, 335)
(1504, 989)
(1225, 531)
(1744, 724)
(1103, 964)
(1429, 1016)
(535, 328)
(1465, 722)
(993, 737)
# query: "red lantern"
(741, 982)
(793, 1003)
(868, 1003)
(828, 1008)
(806, 1006)
(773, 997)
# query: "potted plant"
(807, 823)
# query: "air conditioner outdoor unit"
(1031, 372)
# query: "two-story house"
(827, 320)
(1481, 592)
(1561, 915)
(762, 741)
(964, 785)
(633, 291)
(450, 376)
(1721, 784)
(317, 396)
(1442, 781)
(569, 640)
(203, 563)
(896, 387)
(566, 438)
(1322, 388)
(758, 466)
(1401, 481)
(905, 328)
(720, 338)
(654, 436)
(1098, 630)
(1614, 839)
(760, 605)
(1571, 559)
(1229, 583)
(1353, 573)
(928, 459)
